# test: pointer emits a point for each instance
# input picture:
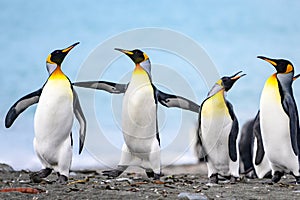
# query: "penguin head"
(55, 58)
(228, 81)
(137, 56)
(281, 65)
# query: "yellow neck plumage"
(57, 74)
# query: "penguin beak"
(68, 49)
(235, 77)
(127, 52)
(269, 60)
(295, 77)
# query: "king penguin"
(218, 132)
(139, 115)
(253, 162)
(279, 121)
(53, 120)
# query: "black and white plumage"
(139, 115)
(57, 104)
(279, 121)
(218, 132)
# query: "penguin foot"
(233, 179)
(297, 180)
(112, 173)
(268, 175)
(62, 179)
(151, 174)
(213, 179)
(37, 177)
(277, 176)
(156, 176)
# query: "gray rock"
(5, 168)
(192, 196)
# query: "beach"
(178, 182)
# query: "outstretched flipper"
(233, 133)
(110, 87)
(81, 119)
(165, 99)
(21, 105)
(170, 100)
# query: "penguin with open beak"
(218, 132)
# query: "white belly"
(215, 135)
(139, 117)
(53, 118)
(216, 124)
(275, 131)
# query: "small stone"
(108, 187)
(205, 187)
(170, 186)
(196, 186)
(198, 190)
(192, 196)
(6, 168)
(124, 180)
(133, 189)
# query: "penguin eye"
(55, 52)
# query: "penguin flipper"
(81, 119)
(115, 88)
(233, 133)
(290, 109)
(170, 100)
(21, 105)
(260, 152)
(199, 148)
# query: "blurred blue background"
(232, 33)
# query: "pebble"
(192, 196)
(133, 189)
(124, 179)
(6, 168)
(170, 186)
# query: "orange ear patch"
(289, 68)
(48, 60)
(145, 56)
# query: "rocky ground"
(178, 182)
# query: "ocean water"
(231, 33)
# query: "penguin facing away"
(53, 121)
(139, 122)
(218, 132)
(252, 155)
(279, 121)
(246, 149)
